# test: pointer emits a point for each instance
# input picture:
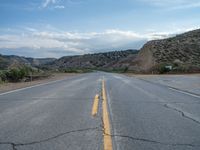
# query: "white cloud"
(174, 4)
(59, 4)
(59, 7)
(77, 42)
(187, 6)
(48, 2)
(30, 29)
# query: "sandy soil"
(13, 86)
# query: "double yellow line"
(106, 122)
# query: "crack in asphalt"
(15, 145)
(147, 140)
(182, 113)
(101, 128)
(152, 141)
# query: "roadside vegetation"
(27, 73)
(176, 68)
(87, 70)
(21, 74)
(76, 70)
(114, 70)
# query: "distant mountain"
(106, 60)
(13, 61)
(181, 51)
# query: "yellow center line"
(107, 131)
(95, 105)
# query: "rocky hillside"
(181, 51)
(107, 60)
(13, 61)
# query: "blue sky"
(54, 28)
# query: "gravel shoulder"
(5, 87)
(185, 82)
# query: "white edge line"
(193, 95)
(29, 87)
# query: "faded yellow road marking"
(107, 131)
(95, 105)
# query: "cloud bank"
(57, 44)
(174, 4)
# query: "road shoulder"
(6, 87)
(187, 82)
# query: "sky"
(56, 28)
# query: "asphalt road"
(58, 116)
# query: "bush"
(76, 70)
(125, 70)
(161, 69)
(15, 75)
(3, 76)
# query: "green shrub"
(3, 76)
(161, 69)
(76, 70)
(125, 70)
(15, 74)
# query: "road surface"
(99, 111)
